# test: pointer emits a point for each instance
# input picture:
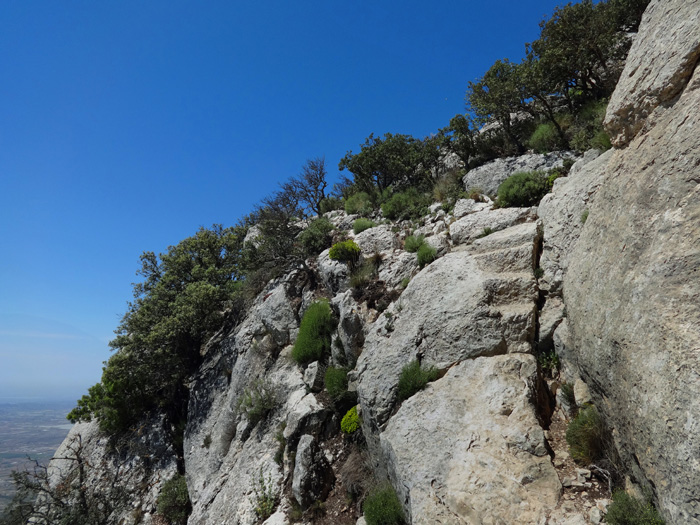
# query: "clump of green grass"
(314, 339)
(414, 378)
(336, 381)
(257, 401)
(360, 203)
(413, 243)
(626, 510)
(382, 507)
(425, 255)
(362, 224)
(586, 436)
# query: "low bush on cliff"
(314, 339)
(257, 401)
(362, 224)
(382, 507)
(414, 378)
(317, 236)
(409, 204)
(626, 510)
(522, 190)
(586, 436)
(351, 421)
(413, 242)
(345, 251)
(174, 500)
(359, 203)
(425, 255)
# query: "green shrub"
(345, 251)
(586, 436)
(584, 217)
(409, 204)
(330, 204)
(545, 138)
(336, 381)
(382, 507)
(425, 255)
(412, 243)
(314, 339)
(549, 361)
(359, 203)
(601, 141)
(405, 281)
(362, 224)
(626, 510)
(351, 421)
(539, 272)
(174, 500)
(414, 378)
(522, 190)
(317, 237)
(257, 401)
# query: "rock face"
(564, 213)
(488, 178)
(658, 67)
(632, 290)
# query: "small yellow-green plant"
(351, 421)
(257, 401)
(264, 496)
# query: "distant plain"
(33, 428)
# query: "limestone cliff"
(605, 271)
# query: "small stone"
(567, 482)
(558, 462)
(595, 516)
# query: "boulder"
(334, 275)
(350, 329)
(488, 178)
(313, 476)
(494, 466)
(379, 239)
(466, 206)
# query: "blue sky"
(127, 125)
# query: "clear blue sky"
(127, 125)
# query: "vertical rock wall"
(632, 290)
